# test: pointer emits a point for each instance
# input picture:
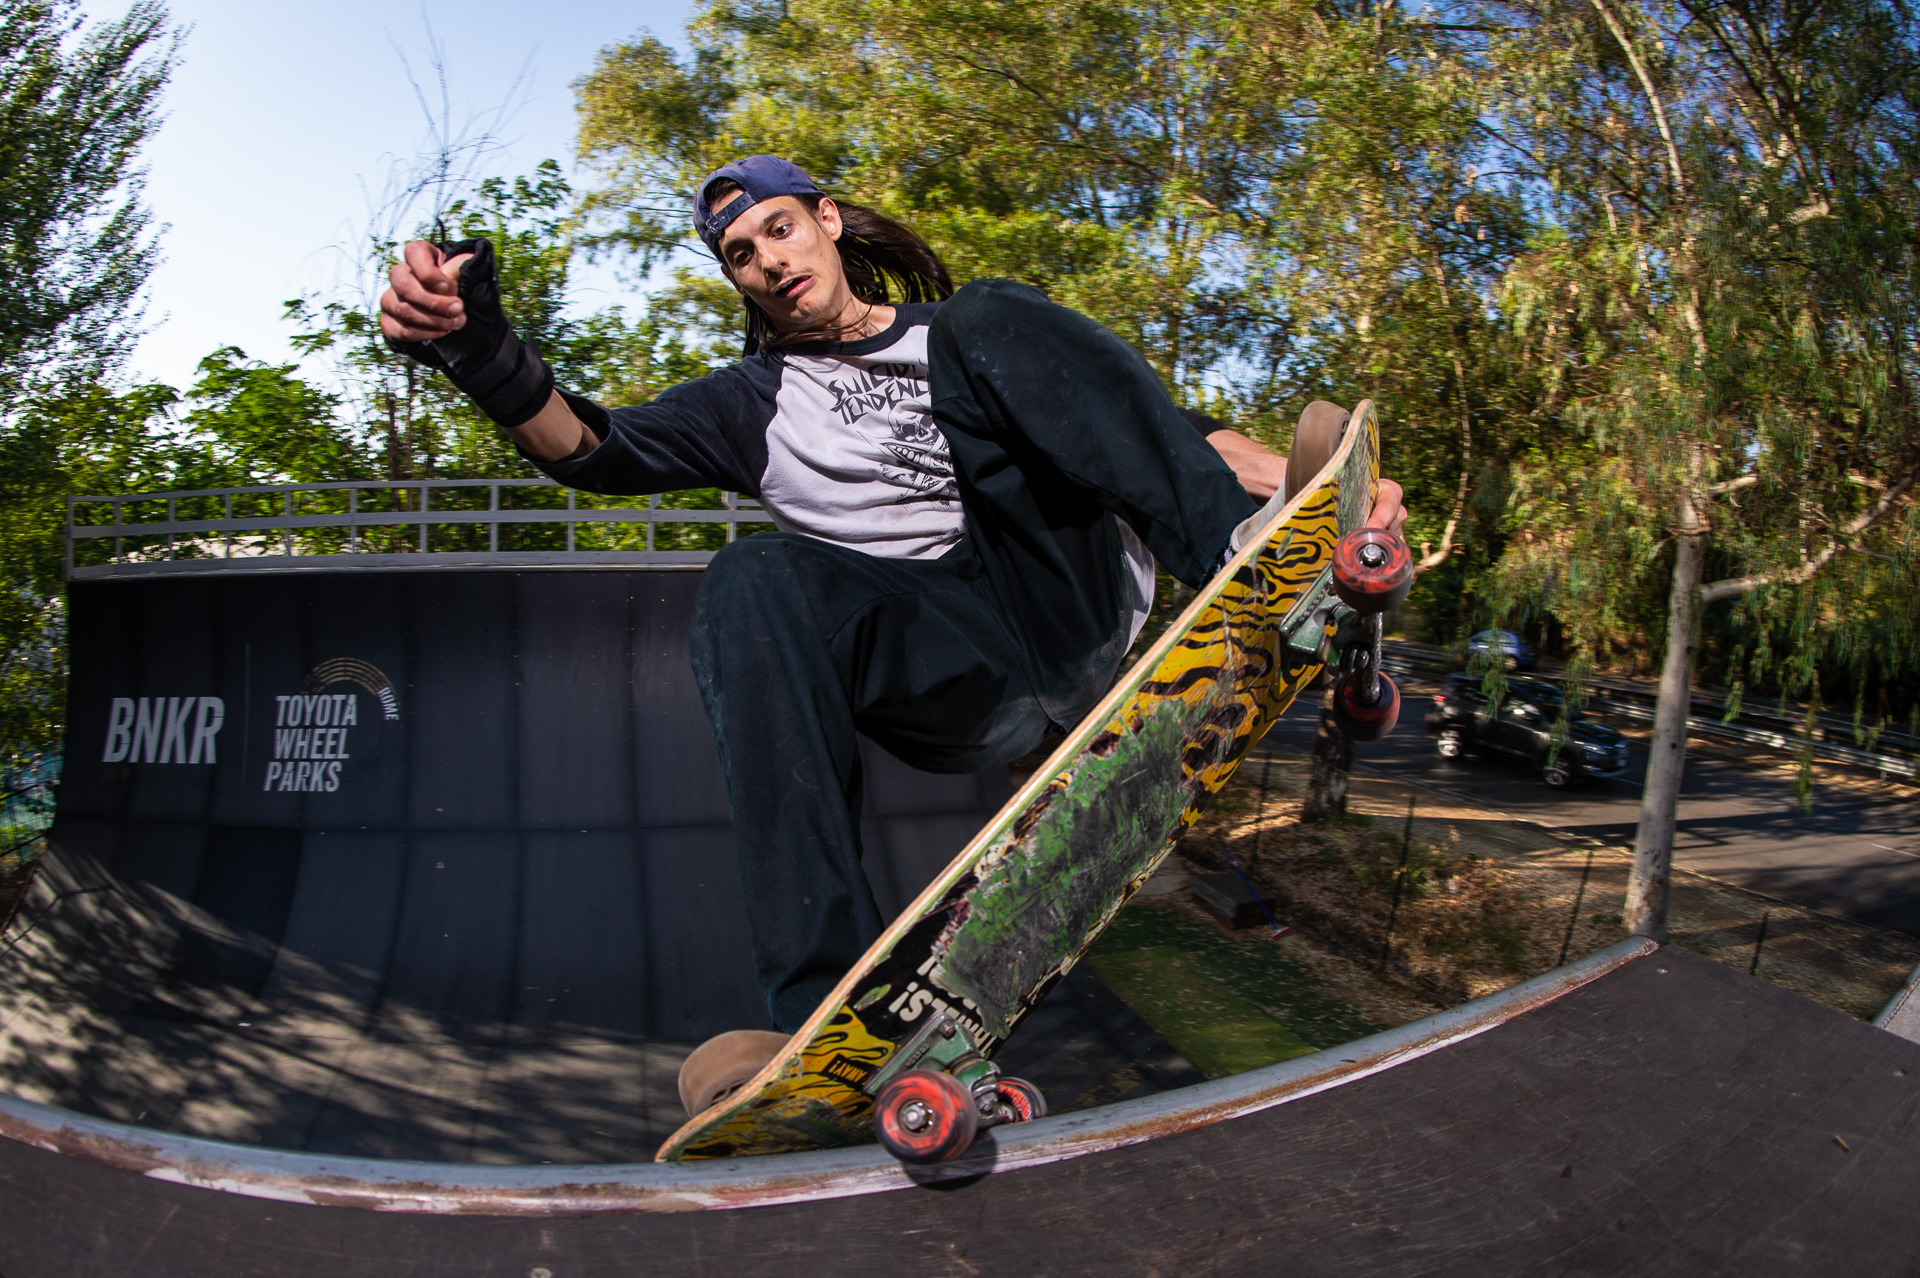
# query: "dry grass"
(1484, 901)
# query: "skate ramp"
(1642, 1111)
(425, 1021)
(428, 865)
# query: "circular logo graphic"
(340, 725)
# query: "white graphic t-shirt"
(853, 456)
(835, 439)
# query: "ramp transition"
(426, 1002)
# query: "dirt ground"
(1477, 901)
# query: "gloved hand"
(500, 372)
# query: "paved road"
(1855, 854)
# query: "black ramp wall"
(425, 865)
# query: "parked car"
(1522, 728)
(1514, 652)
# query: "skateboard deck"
(1021, 903)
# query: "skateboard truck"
(938, 1092)
(1306, 631)
(1372, 571)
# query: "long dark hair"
(877, 254)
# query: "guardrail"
(1619, 696)
(1833, 729)
(393, 525)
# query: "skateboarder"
(969, 489)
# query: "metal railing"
(1895, 754)
(384, 525)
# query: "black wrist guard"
(503, 375)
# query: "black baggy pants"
(956, 664)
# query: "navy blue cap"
(762, 177)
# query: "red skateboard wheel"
(1363, 722)
(1021, 1099)
(924, 1116)
(1372, 570)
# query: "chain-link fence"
(26, 809)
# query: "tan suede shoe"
(723, 1064)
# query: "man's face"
(784, 259)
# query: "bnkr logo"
(164, 729)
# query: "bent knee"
(745, 582)
(754, 567)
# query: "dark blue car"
(1513, 652)
(1522, 728)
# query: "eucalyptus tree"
(1389, 231)
(1720, 305)
(77, 102)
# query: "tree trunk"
(1332, 761)
(1646, 911)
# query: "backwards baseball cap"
(762, 177)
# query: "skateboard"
(902, 1048)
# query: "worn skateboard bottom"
(1015, 910)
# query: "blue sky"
(284, 121)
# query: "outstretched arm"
(443, 309)
(1261, 471)
(555, 434)
(423, 304)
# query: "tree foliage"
(1587, 255)
(76, 104)
(1721, 291)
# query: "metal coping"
(544, 1190)
(1896, 1017)
(211, 541)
